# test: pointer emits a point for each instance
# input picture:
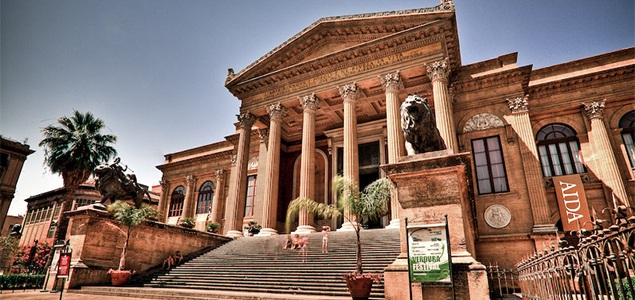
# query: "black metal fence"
(503, 283)
(601, 266)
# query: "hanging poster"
(428, 253)
(572, 202)
(65, 265)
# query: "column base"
(350, 226)
(304, 229)
(267, 232)
(234, 234)
(394, 223)
(545, 228)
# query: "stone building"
(326, 102)
(12, 157)
(43, 210)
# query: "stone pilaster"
(439, 74)
(601, 145)
(235, 208)
(163, 201)
(272, 174)
(263, 134)
(391, 84)
(189, 203)
(519, 120)
(218, 195)
(309, 103)
(349, 95)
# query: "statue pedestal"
(438, 183)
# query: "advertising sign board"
(64, 266)
(428, 253)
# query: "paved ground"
(37, 295)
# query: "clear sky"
(154, 70)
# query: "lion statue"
(419, 126)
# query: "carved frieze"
(252, 164)
(438, 70)
(348, 91)
(276, 111)
(481, 122)
(309, 102)
(595, 109)
(518, 104)
(391, 81)
(246, 120)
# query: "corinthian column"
(163, 201)
(391, 84)
(272, 175)
(351, 163)
(438, 72)
(520, 122)
(218, 195)
(263, 134)
(188, 210)
(307, 165)
(601, 145)
(235, 209)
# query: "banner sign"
(428, 253)
(572, 202)
(65, 265)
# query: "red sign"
(65, 265)
(574, 209)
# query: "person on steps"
(325, 238)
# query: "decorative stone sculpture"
(113, 184)
(419, 126)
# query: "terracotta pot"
(359, 287)
(119, 277)
(187, 225)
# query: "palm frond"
(310, 206)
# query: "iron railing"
(503, 282)
(601, 266)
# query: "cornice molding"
(587, 81)
(225, 155)
(494, 80)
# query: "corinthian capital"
(348, 91)
(219, 174)
(189, 179)
(438, 70)
(309, 102)
(391, 81)
(246, 120)
(276, 111)
(518, 104)
(594, 110)
(163, 183)
(263, 133)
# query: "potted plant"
(371, 204)
(213, 227)
(253, 228)
(187, 222)
(129, 217)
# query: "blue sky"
(154, 70)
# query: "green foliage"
(371, 203)
(253, 227)
(188, 221)
(129, 216)
(319, 209)
(213, 227)
(21, 281)
(8, 247)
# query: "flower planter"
(119, 277)
(359, 287)
(187, 225)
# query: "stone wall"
(97, 244)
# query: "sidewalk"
(37, 295)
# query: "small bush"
(21, 281)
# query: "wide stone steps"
(259, 266)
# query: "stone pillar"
(218, 195)
(235, 209)
(601, 145)
(307, 167)
(519, 120)
(263, 134)
(349, 95)
(439, 73)
(391, 84)
(272, 175)
(163, 201)
(189, 203)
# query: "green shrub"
(21, 281)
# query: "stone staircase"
(259, 266)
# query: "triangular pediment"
(335, 34)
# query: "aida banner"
(572, 202)
(65, 265)
(428, 254)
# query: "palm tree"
(370, 204)
(73, 147)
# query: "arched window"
(205, 196)
(559, 150)
(176, 203)
(627, 123)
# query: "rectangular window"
(56, 213)
(251, 195)
(489, 166)
(630, 147)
